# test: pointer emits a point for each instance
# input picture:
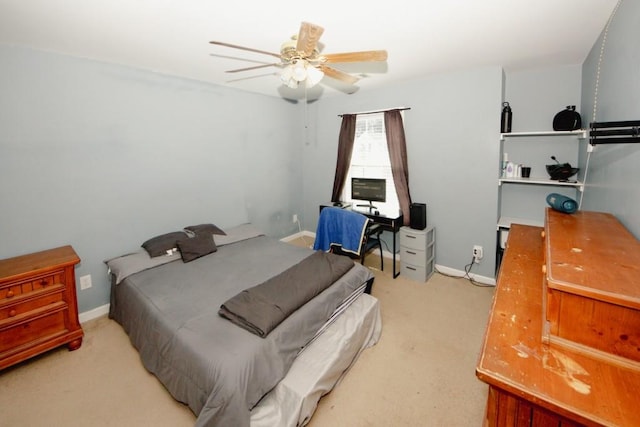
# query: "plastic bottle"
(503, 166)
(510, 172)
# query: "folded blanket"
(340, 227)
(263, 307)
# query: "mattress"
(220, 370)
(320, 366)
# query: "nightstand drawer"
(27, 330)
(30, 285)
(24, 305)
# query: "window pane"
(370, 159)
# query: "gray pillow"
(205, 228)
(196, 247)
(159, 245)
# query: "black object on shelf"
(567, 119)
(620, 132)
(418, 216)
(506, 118)
(560, 171)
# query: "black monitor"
(369, 189)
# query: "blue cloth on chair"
(340, 227)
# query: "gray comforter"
(220, 370)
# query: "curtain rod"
(378, 111)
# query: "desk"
(388, 222)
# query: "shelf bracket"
(620, 132)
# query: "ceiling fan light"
(314, 76)
(299, 70)
(287, 77)
(286, 74)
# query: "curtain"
(398, 155)
(345, 147)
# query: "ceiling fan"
(301, 60)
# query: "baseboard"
(454, 272)
(297, 235)
(386, 254)
(94, 313)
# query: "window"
(370, 159)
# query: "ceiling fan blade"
(337, 74)
(364, 56)
(308, 38)
(276, 64)
(245, 48)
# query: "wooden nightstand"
(38, 306)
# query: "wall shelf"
(542, 181)
(579, 133)
(522, 200)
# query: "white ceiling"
(421, 37)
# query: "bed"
(225, 373)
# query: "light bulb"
(314, 76)
(299, 70)
(286, 77)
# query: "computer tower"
(418, 216)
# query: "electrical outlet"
(477, 253)
(295, 218)
(85, 282)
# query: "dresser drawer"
(413, 257)
(31, 285)
(410, 239)
(418, 273)
(416, 257)
(416, 239)
(42, 324)
(26, 303)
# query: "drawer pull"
(43, 283)
(12, 313)
(412, 253)
(408, 236)
(10, 294)
(410, 268)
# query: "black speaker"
(418, 216)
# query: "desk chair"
(371, 241)
(346, 232)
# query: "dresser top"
(24, 265)
(594, 255)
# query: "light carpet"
(421, 373)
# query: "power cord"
(302, 236)
(466, 275)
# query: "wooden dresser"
(562, 342)
(38, 306)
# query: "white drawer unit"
(417, 253)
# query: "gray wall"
(613, 182)
(452, 135)
(103, 157)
